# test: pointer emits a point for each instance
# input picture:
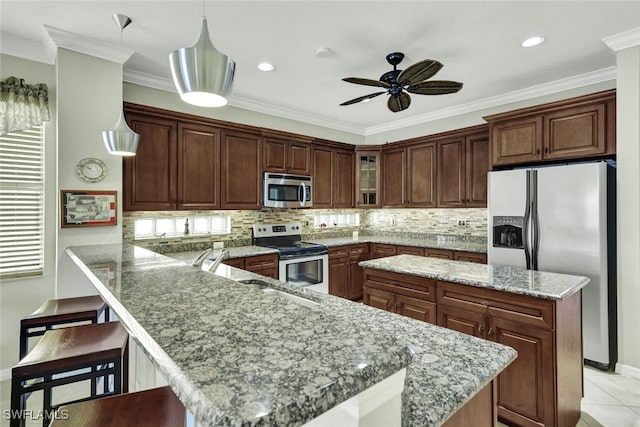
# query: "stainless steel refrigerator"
(562, 219)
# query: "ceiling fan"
(398, 82)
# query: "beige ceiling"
(477, 41)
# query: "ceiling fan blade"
(399, 102)
(362, 98)
(419, 71)
(366, 82)
(435, 87)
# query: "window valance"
(22, 105)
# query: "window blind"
(22, 203)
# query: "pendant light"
(121, 140)
(203, 76)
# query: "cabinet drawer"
(517, 308)
(470, 257)
(410, 250)
(235, 262)
(415, 308)
(261, 262)
(359, 250)
(438, 253)
(381, 250)
(411, 286)
(338, 252)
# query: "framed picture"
(80, 208)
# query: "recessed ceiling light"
(265, 66)
(533, 41)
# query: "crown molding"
(87, 45)
(26, 49)
(586, 79)
(155, 82)
(623, 40)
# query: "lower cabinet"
(543, 386)
(398, 293)
(265, 265)
(345, 275)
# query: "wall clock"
(91, 170)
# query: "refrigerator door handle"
(535, 227)
(527, 219)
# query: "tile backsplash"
(468, 223)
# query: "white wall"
(19, 297)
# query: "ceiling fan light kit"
(120, 140)
(398, 82)
(203, 76)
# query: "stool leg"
(18, 403)
(24, 341)
(46, 401)
(125, 369)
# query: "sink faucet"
(197, 262)
(224, 254)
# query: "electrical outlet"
(218, 245)
(462, 222)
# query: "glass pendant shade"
(121, 140)
(203, 76)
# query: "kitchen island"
(236, 355)
(537, 313)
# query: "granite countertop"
(515, 280)
(234, 252)
(234, 355)
(428, 242)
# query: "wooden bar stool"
(59, 312)
(158, 407)
(101, 349)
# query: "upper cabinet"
(421, 175)
(367, 164)
(394, 168)
(575, 128)
(241, 178)
(198, 167)
(463, 163)
(286, 156)
(333, 177)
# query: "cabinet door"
(470, 257)
(339, 276)
(198, 167)
(575, 132)
(299, 158)
(526, 386)
(356, 277)
(367, 179)
(274, 155)
(477, 166)
(516, 141)
(393, 178)
(150, 176)
(343, 179)
(464, 321)
(379, 299)
(421, 175)
(241, 176)
(322, 177)
(451, 173)
(415, 308)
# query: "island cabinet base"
(480, 411)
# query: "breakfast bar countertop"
(540, 284)
(237, 355)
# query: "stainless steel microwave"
(287, 191)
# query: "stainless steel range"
(301, 263)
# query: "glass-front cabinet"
(368, 178)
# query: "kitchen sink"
(258, 282)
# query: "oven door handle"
(306, 255)
(301, 194)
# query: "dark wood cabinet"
(463, 163)
(439, 253)
(543, 386)
(265, 265)
(235, 262)
(343, 179)
(393, 177)
(198, 167)
(421, 175)
(477, 257)
(322, 177)
(571, 129)
(286, 156)
(345, 275)
(382, 250)
(367, 172)
(176, 166)
(241, 180)
(409, 250)
(402, 294)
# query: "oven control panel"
(271, 230)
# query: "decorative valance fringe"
(22, 105)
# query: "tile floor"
(611, 400)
